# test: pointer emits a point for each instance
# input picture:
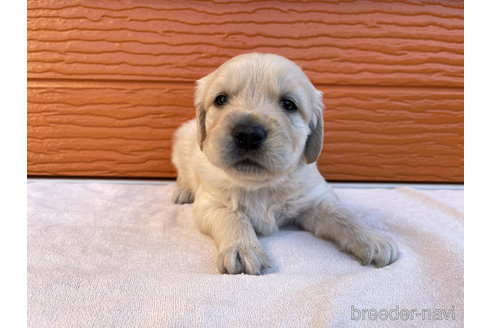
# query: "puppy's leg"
(238, 248)
(332, 220)
(183, 195)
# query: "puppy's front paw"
(183, 196)
(375, 248)
(242, 257)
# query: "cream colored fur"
(233, 201)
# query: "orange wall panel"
(125, 130)
(109, 82)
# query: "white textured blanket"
(122, 255)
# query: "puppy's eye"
(288, 105)
(220, 100)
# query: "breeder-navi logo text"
(396, 313)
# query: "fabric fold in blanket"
(122, 255)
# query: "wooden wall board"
(125, 129)
(109, 82)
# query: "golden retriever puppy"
(248, 165)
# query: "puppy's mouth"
(248, 165)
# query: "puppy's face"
(258, 117)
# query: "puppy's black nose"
(248, 137)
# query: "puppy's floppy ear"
(314, 142)
(200, 92)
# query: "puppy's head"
(258, 117)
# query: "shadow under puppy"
(247, 163)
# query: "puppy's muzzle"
(248, 137)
